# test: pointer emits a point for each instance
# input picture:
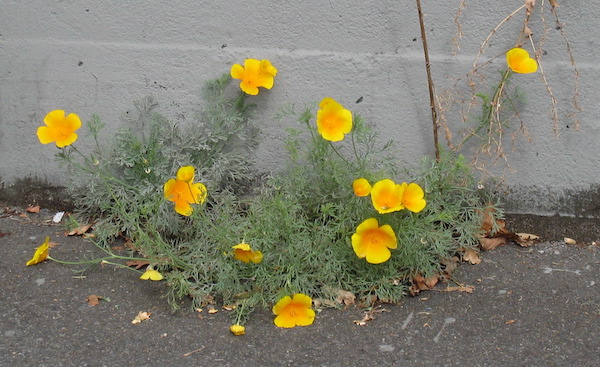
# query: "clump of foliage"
(301, 219)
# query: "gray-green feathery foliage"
(301, 219)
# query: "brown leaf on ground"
(460, 288)
(450, 264)
(489, 244)
(141, 316)
(80, 230)
(33, 209)
(93, 300)
(554, 3)
(471, 256)
(420, 283)
(487, 224)
(345, 297)
(369, 315)
(137, 263)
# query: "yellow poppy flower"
(333, 120)
(59, 129)
(374, 242)
(519, 61)
(361, 187)
(412, 197)
(294, 311)
(386, 196)
(183, 191)
(40, 254)
(151, 274)
(244, 252)
(254, 74)
(237, 329)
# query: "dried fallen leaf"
(489, 244)
(460, 288)
(420, 283)
(345, 297)
(93, 300)
(509, 322)
(137, 263)
(471, 256)
(141, 316)
(229, 307)
(369, 315)
(450, 264)
(212, 310)
(33, 209)
(554, 3)
(81, 229)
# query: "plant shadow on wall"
(340, 224)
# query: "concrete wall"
(97, 57)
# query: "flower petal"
(281, 305)
(54, 118)
(186, 174)
(45, 135)
(40, 254)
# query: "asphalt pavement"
(536, 306)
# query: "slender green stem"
(340, 155)
(102, 260)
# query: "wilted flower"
(361, 187)
(519, 61)
(183, 191)
(40, 254)
(294, 311)
(374, 242)
(412, 197)
(386, 196)
(151, 274)
(333, 120)
(244, 252)
(254, 74)
(237, 329)
(59, 129)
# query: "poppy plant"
(243, 252)
(294, 311)
(519, 61)
(183, 191)
(333, 120)
(361, 187)
(374, 242)
(59, 129)
(40, 254)
(254, 74)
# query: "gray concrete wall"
(97, 57)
